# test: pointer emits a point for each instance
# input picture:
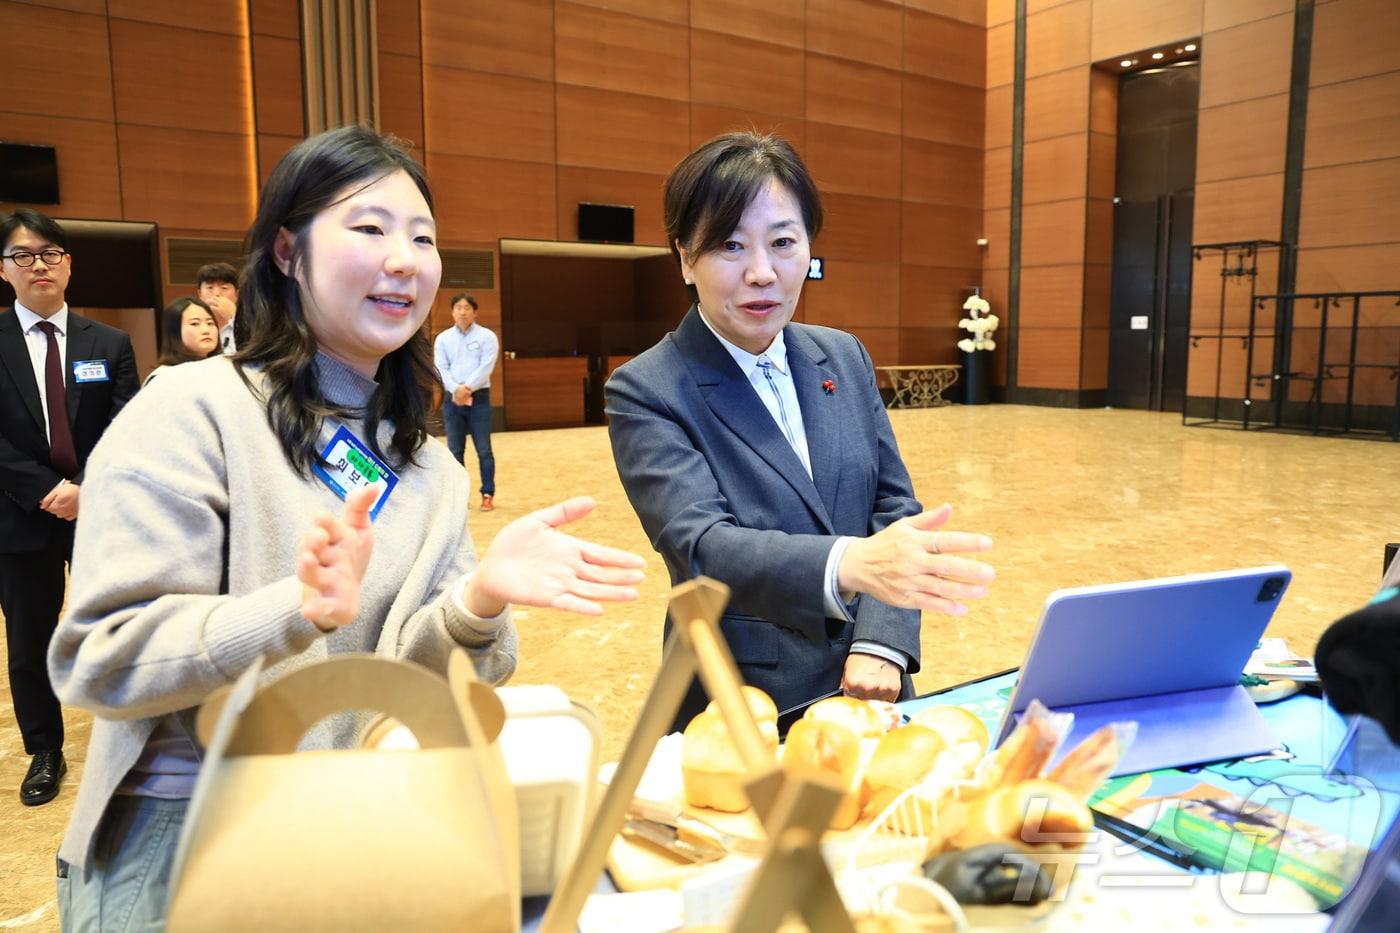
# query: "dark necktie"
(61, 453)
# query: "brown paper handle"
(283, 711)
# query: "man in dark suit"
(757, 451)
(62, 380)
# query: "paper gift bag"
(355, 839)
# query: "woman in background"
(187, 333)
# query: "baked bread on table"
(711, 770)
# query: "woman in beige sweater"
(207, 536)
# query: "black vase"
(975, 364)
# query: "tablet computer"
(1164, 653)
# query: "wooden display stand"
(795, 811)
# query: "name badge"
(90, 371)
(350, 465)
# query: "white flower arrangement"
(980, 325)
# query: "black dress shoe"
(40, 785)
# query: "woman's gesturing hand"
(332, 562)
(912, 565)
(532, 563)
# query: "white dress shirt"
(787, 418)
(38, 343)
(227, 346)
(465, 358)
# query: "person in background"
(465, 355)
(758, 452)
(211, 539)
(188, 332)
(216, 284)
(62, 380)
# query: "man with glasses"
(62, 380)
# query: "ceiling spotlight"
(1126, 63)
(1190, 48)
(1179, 51)
(1156, 56)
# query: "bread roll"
(963, 731)
(1035, 812)
(832, 750)
(711, 770)
(857, 715)
(903, 758)
(762, 710)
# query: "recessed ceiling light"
(1156, 56)
(1190, 48)
(1126, 63)
(1179, 51)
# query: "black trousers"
(31, 596)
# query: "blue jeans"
(476, 420)
(127, 885)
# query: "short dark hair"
(218, 272)
(172, 323)
(35, 221)
(463, 296)
(271, 329)
(707, 193)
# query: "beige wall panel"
(277, 96)
(930, 346)
(87, 162)
(1130, 25)
(1098, 294)
(708, 121)
(186, 178)
(1240, 209)
(1350, 205)
(998, 117)
(617, 52)
(1098, 230)
(1057, 104)
(1000, 11)
(271, 149)
(1349, 268)
(996, 228)
(1001, 55)
(673, 11)
(1354, 38)
(1093, 358)
(942, 174)
(1248, 61)
(853, 227)
(932, 297)
(627, 132)
(80, 79)
(1103, 155)
(1237, 140)
(1103, 102)
(481, 200)
(1056, 169)
(515, 38)
(882, 343)
(732, 71)
(968, 11)
(943, 112)
(279, 18)
(1047, 359)
(1354, 121)
(1052, 234)
(850, 161)
(211, 92)
(1222, 14)
(226, 16)
(861, 30)
(853, 94)
(855, 294)
(937, 47)
(490, 115)
(401, 97)
(1052, 296)
(937, 235)
(400, 32)
(780, 21)
(996, 178)
(1057, 39)
(601, 186)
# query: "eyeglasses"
(24, 259)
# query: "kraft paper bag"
(354, 839)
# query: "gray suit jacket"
(720, 492)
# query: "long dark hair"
(273, 333)
(172, 333)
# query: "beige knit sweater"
(183, 568)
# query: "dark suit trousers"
(31, 596)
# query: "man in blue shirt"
(465, 355)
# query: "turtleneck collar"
(342, 385)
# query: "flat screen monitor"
(116, 264)
(28, 174)
(606, 223)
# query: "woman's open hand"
(332, 562)
(913, 565)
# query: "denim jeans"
(459, 420)
(127, 885)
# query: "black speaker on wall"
(28, 174)
(606, 223)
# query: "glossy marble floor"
(1070, 497)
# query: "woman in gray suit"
(757, 451)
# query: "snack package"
(1090, 763)
(1027, 750)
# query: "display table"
(920, 386)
